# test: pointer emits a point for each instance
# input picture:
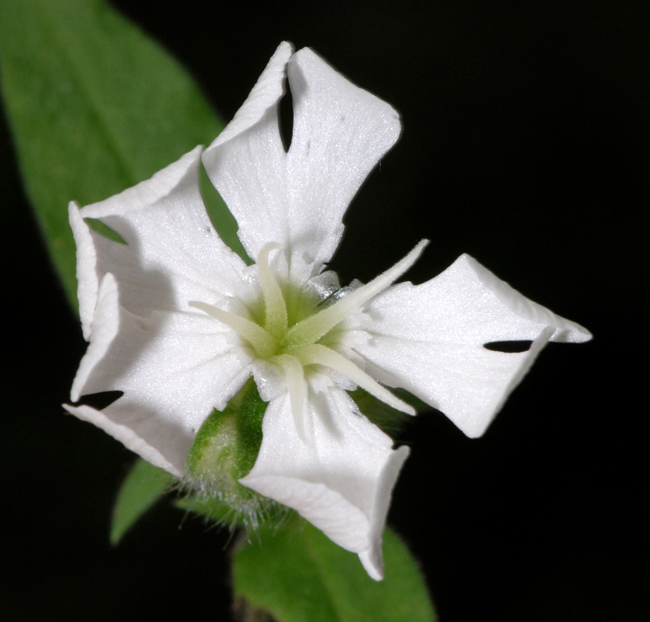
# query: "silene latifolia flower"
(188, 332)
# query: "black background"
(527, 144)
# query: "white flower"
(178, 322)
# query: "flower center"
(298, 332)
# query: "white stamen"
(313, 328)
(295, 376)
(261, 341)
(317, 354)
(276, 321)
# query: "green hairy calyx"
(225, 450)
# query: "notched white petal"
(126, 436)
(340, 133)
(148, 192)
(105, 324)
(341, 480)
(429, 340)
(172, 255)
(87, 278)
(246, 161)
(372, 558)
(266, 93)
(564, 330)
(298, 198)
(173, 370)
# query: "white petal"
(174, 369)
(298, 198)
(128, 437)
(340, 477)
(266, 93)
(173, 254)
(87, 278)
(429, 340)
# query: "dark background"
(527, 144)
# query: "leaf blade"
(299, 575)
(142, 487)
(95, 106)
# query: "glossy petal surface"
(338, 474)
(173, 364)
(429, 338)
(298, 198)
(172, 253)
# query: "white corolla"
(178, 322)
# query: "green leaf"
(143, 486)
(298, 575)
(95, 106)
